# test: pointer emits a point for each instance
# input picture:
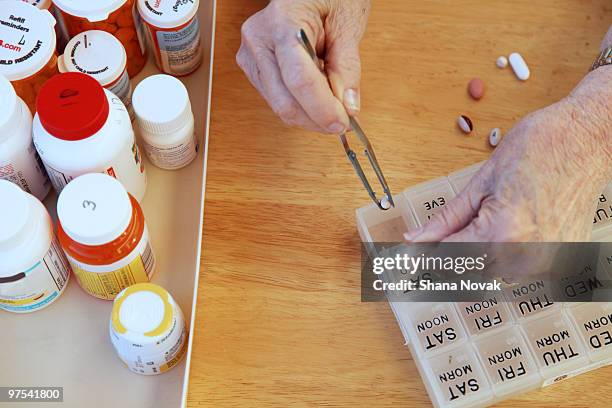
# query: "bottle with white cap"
(19, 161)
(33, 269)
(103, 232)
(147, 329)
(164, 115)
(102, 56)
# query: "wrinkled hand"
(542, 181)
(281, 70)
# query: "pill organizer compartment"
(556, 346)
(485, 316)
(456, 379)
(602, 220)
(593, 321)
(376, 225)
(429, 198)
(460, 179)
(433, 326)
(508, 363)
(530, 299)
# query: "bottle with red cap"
(80, 128)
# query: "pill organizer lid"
(41, 4)
(72, 106)
(94, 209)
(162, 105)
(95, 53)
(167, 13)
(92, 10)
(28, 39)
(14, 214)
(142, 313)
(9, 109)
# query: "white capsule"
(502, 62)
(384, 203)
(465, 123)
(519, 66)
(495, 137)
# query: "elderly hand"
(281, 70)
(542, 182)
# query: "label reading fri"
(529, 299)
(438, 328)
(484, 315)
(506, 359)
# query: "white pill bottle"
(81, 128)
(147, 329)
(166, 123)
(19, 162)
(102, 56)
(173, 30)
(33, 269)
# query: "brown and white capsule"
(465, 124)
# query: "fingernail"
(351, 100)
(336, 128)
(412, 235)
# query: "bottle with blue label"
(33, 268)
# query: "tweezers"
(369, 150)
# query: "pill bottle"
(19, 161)
(102, 229)
(118, 17)
(27, 48)
(166, 123)
(82, 128)
(33, 269)
(147, 329)
(102, 56)
(62, 37)
(173, 30)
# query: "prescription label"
(179, 51)
(122, 88)
(174, 156)
(27, 171)
(106, 281)
(603, 214)
(38, 286)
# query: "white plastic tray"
(67, 345)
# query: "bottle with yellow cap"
(147, 329)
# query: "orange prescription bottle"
(27, 48)
(102, 230)
(62, 38)
(118, 17)
(173, 30)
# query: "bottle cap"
(95, 53)
(94, 209)
(72, 106)
(97, 10)
(167, 13)
(14, 214)
(28, 39)
(9, 109)
(162, 105)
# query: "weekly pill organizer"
(473, 354)
(67, 344)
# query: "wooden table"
(280, 322)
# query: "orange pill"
(476, 88)
(125, 20)
(104, 26)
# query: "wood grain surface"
(280, 322)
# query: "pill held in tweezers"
(519, 66)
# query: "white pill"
(502, 62)
(384, 203)
(465, 123)
(519, 66)
(495, 137)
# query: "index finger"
(310, 87)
